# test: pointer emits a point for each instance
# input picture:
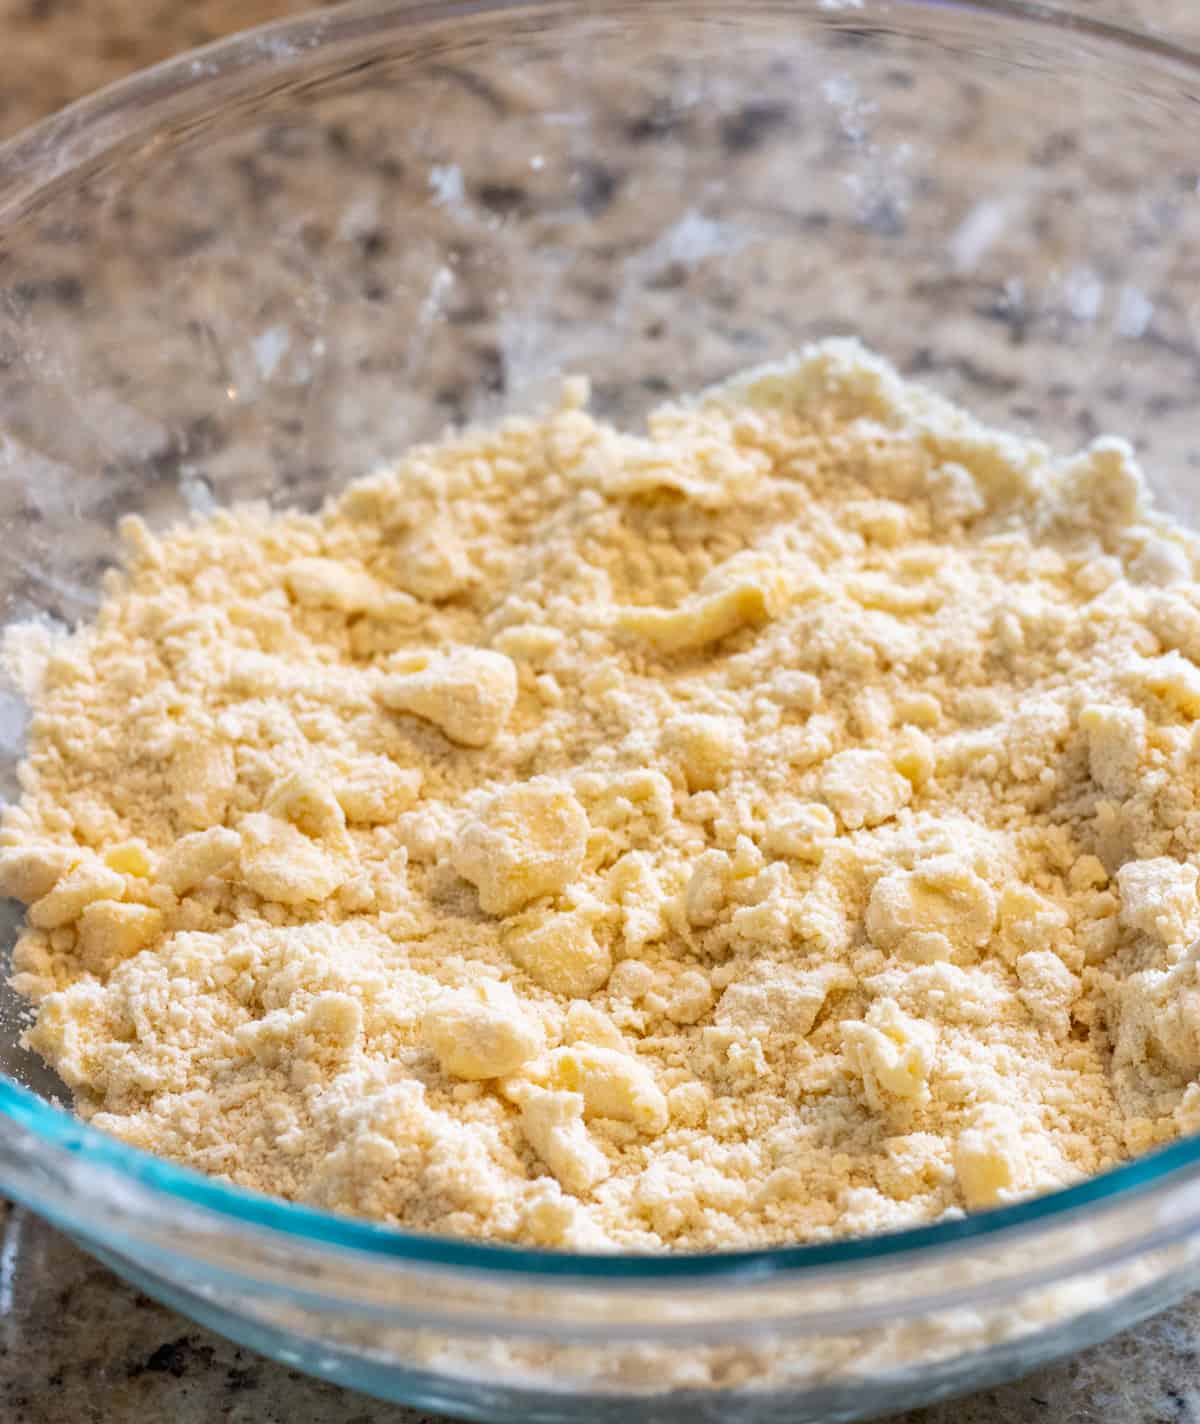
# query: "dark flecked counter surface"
(76, 1344)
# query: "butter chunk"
(707, 748)
(613, 1084)
(202, 775)
(1176, 680)
(636, 888)
(467, 693)
(85, 882)
(1116, 743)
(130, 858)
(334, 1022)
(746, 591)
(110, 931)
(583, 1023)
(694, 456)
(307, 802)
(1048, 989)
(548, 1218)
(799, 830)
(787, 1002)
(27, 872)
(821, 920)
(64, 1032)
(330, 583)
(532, 643)
(708, 888)
(480, 1032)
(938, 910)
(797, 691)
(280, 863)
(690, 997)
(989, 1159)
(893, 1055)
(1158, 897)
(373, 790)
(1028, 920)
(196, 857)
(1161, 562)
(560, 952)
(528, 841)
(552, 1122)
(1103, 486)
(863, 788)
(432, 564)
(914, 757)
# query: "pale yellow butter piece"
(525, 842)
(202, 775)
(333, 1023)
(1158, 897)
(914, 756)
(1116, 741)
(690, 997)
(799, 830)
(130, 858)
(110, 931)
(1028, 920)
(637, 889)
(1048, 989)
(989, 1159)
(280, 863)
(941, 909)
(89, 880)
(798, 691)
(481, 1031)
(308, 803)
(893, 1054)
(196, 857)
(330, 583)
(745, 591)
(779, 1004)
(613, 1084)
(468, 693)
(552, 1122)
(708, 888)
(432, 564)
(560, 952)
(1176, 680)
(707, 748)
(373, 790)
(863, 787)
(29, 871)
(1103, 486)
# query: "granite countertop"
(76, 1344)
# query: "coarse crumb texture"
(777, 826)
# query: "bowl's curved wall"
(261, 270)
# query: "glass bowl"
(263, 268)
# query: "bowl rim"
(62, 1131)
(61, 143)
(53, 150)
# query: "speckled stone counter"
(78, 1345)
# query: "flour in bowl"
(778, 826)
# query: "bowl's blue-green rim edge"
(61, 1130)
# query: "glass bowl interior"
(262, 270)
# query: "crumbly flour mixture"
(781, 825)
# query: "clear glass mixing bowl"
(261, 269)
